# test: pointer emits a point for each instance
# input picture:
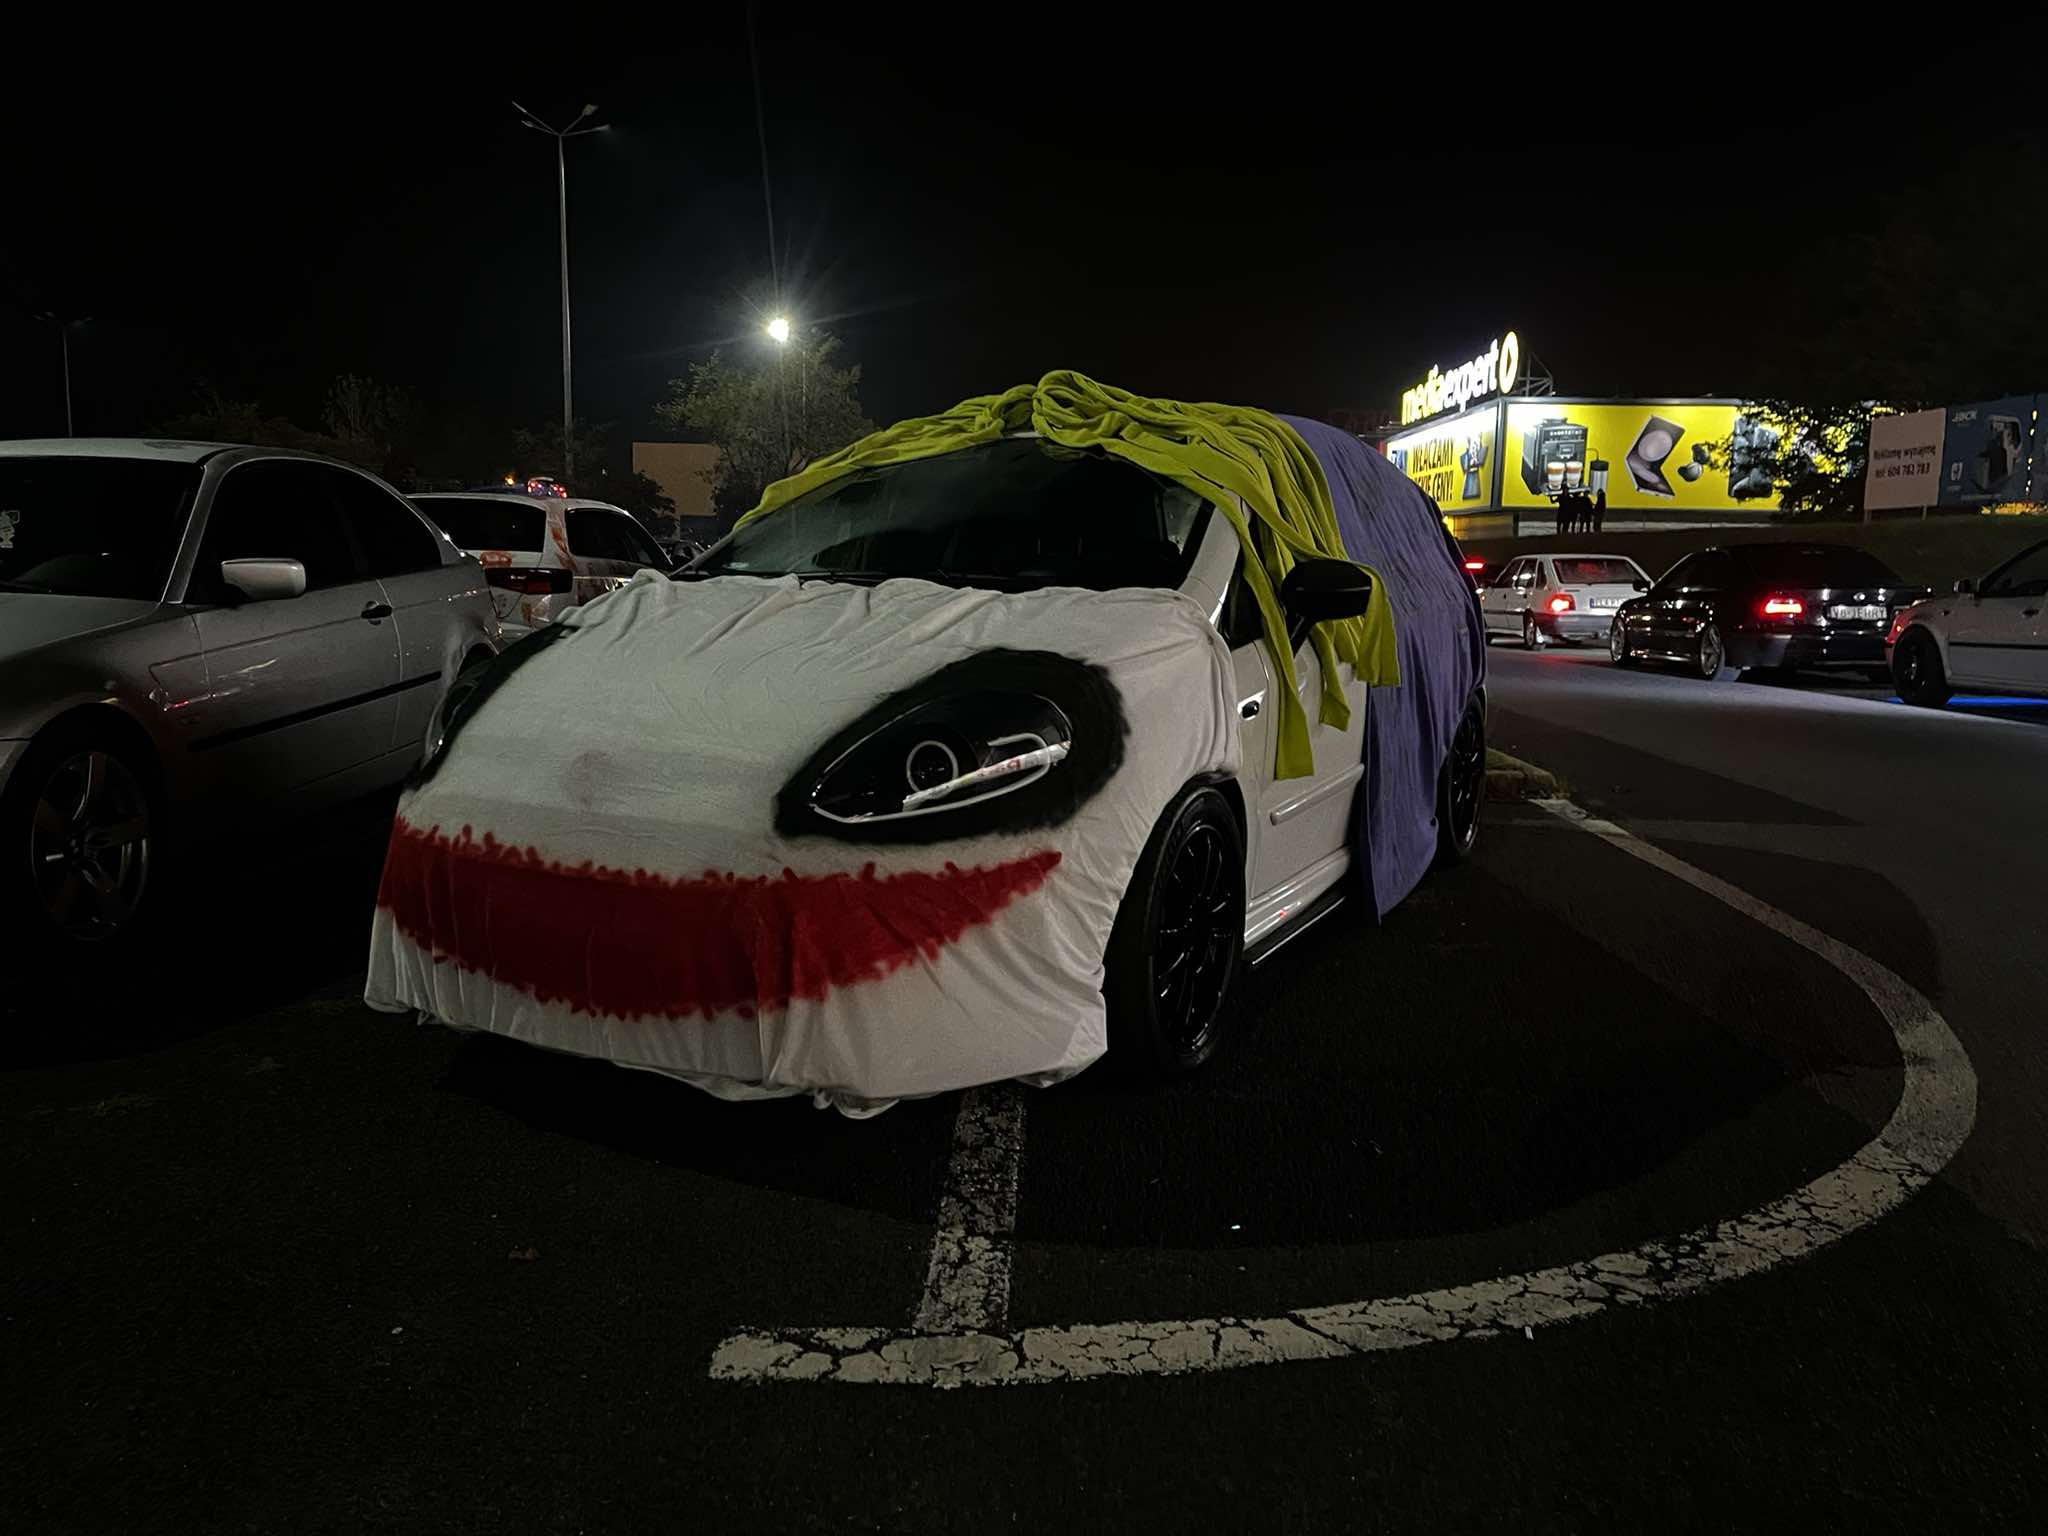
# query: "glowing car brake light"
(1475, 565)
(533, 581)
(1562, 603)
(1783, 608)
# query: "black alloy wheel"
(1917, 670)
(1178, 940)
(1712, 655)
(82, 821)
(1461, 788)
(1617, 645)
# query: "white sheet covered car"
(646, 880)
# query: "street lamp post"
(64, 330)
(561, 136)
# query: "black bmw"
(1765, 607)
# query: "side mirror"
(1967, 587)
(1316, 590)
(262, 581)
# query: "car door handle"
(375, 611)
(1249, 709)
(2028, 613)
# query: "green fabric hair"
(1227, 454)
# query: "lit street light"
(778, 329)
(562, 136)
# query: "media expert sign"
(1452, 460)
(1905, 460)
(1492, 372)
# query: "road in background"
(1920, 836)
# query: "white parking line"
(961, 1346)
(967, 1283)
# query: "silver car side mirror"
(263, 580)
(1967, 587)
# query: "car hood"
(599, 861)
(31, 620)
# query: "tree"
(638, 494)
(217, 418)
(538, 450)
(1813, 454)
(370, 424)
(769, 414)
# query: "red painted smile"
(626, 943)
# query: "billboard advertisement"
(1905, 459)
(1452, 459)
(1661, 455)
(1985, 452)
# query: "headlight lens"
(1002, 741)
(944, 755)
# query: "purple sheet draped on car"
(1390, 525)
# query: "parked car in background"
(1767, 607)
(544, 553)
(1989, 634)
(194, 636)
(1479, 572)
(1559, 597)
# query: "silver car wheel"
(89, 844)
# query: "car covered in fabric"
(998, 741)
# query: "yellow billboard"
(1647, 454)
(1451, 459)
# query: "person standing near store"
(1599, 508)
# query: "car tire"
(1532, 636)
(81, 844)
(1917, 671)
(1178, 941)
(1711, 655)
(1618, 651)
(1461, 788)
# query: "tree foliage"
(769, 414)
(1928, 303)
(538, 450)
(367, 423)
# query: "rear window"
(483, 523)
(1595, 573)
(1814, 565)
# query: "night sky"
(1304, 219)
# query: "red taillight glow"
(1562, 603)
(1783, 607)
(533, 581)
(1475, 565)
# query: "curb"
(1509, 778)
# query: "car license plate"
(1872, 611)
(1604, 604)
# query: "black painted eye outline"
(467, 694)
(1036, 701)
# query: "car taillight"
(533, 581)
(1475, 565)
(1561, 603)
(1783, 608)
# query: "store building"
(1496, 453)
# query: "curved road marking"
(1936, 1109)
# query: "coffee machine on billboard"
(1554, 457)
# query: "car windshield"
(1017, 514)
(1595, 572)
(92, 527)
(1815, 565)
(486, 522)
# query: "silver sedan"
(195, 637)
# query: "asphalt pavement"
(275, 1262)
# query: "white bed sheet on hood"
(654, 742)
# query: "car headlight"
(1002, 741)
